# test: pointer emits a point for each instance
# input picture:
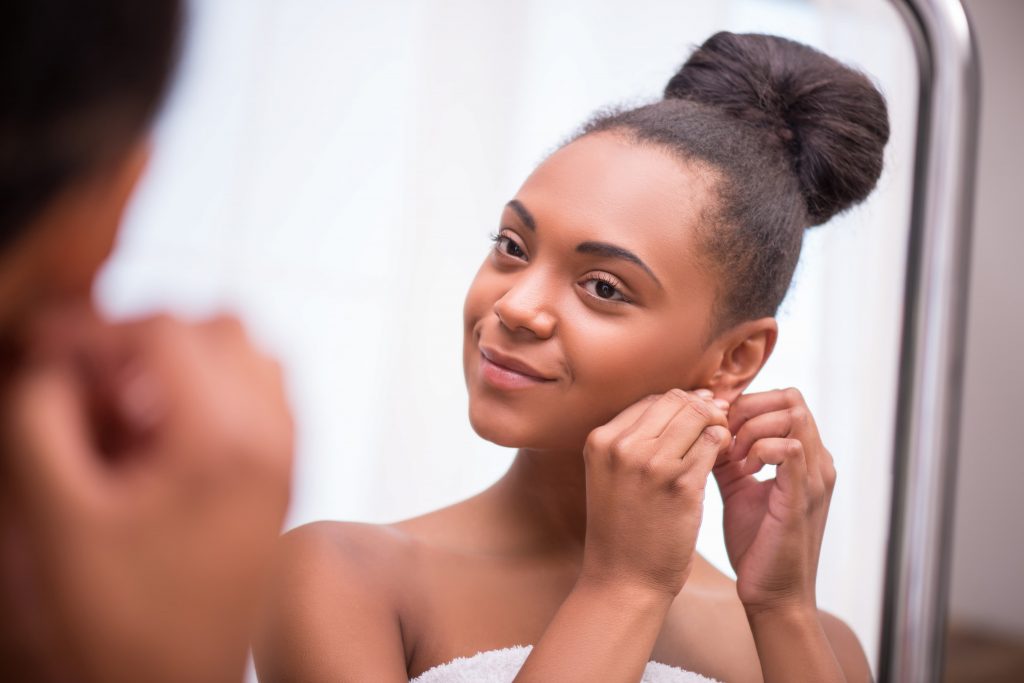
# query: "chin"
(511, 429)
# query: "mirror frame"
(928, 408)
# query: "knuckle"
(799, 414)
(677, 394)
(618, 451)
(599, 440)
(712, 436)
(793, 395)
(681, 486)
(829, 475)
(648, 469)
(701, 410)
(686, 487)
(793, 448)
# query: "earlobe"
(744, 350)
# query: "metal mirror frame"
(932, 346)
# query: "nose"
(525, 308)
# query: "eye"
(604, 287)
(506, 244)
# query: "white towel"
(501, 666)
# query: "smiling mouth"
(507, 373)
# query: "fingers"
(731, 477)
(693, 438)
(49, 439)
(748, 406)
(697, 463)
(766, 425)
(803, 484)
(672, 406)
(627, 417)
(662, 433)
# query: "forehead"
(605, 187)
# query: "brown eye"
(504, 244)
(604, 290)
(600, 288)
(512, 249)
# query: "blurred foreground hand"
(146, 473)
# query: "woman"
(144, 466)
(626, 305)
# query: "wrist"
(628, 595)
(792, 618)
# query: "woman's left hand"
(773, 528)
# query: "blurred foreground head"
(81, 83)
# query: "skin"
(145, 466)
(585, 547)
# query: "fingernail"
(704, 393)
(722, 403)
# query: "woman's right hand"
(150, 463)
(646, 471)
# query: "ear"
(742, 351)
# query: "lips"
(514, 366)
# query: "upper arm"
(847, 648)
(330, 616)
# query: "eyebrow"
(524, 215)
(595, 248)
(612, 251)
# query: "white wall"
(988, 554)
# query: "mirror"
(332, 170)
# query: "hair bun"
(829, 117)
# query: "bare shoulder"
(345, 542)
(332, 611)
(846, 647)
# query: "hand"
(646, 471)
(151, 467)
(773, 528)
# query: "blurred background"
(330, 170)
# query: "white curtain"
(330, 170)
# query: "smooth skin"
(585, 547)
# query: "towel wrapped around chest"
(501, 666)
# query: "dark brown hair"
(793, 137)
(80, 81)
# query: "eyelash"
(611, 282)
(499, 238)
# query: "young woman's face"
(593, 297)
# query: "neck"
(546, 493)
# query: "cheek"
(484, 290)
(480, 298)
(618, 362)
